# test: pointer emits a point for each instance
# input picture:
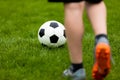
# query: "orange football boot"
(102, 64)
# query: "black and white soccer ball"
(52, 34)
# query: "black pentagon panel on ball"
(54, 39)
(64, 34)
(54, 24)
(42, 32)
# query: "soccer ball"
(52, 34)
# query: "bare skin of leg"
(97, 16)
(74, 29)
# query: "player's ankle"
(101, 38)
(75, 67)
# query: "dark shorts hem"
(65, 1)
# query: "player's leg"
(74, 32)
(97, 15)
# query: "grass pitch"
(23, 58)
